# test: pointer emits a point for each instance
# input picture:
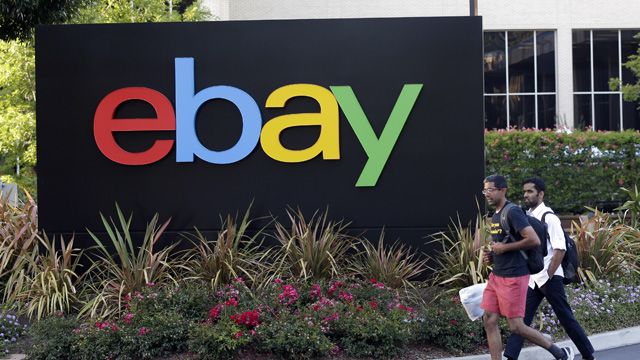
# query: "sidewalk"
(603, 341)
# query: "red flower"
(373, 280)
(237, 335)
(315, 291)
(278, 281)
(214, 313)
(231, 302)
(127, 318)
(373, 304)
(346, 297)
(143, 330)
(250, 319)
(454, 322)
(334, 287)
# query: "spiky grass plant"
(314, 249)
(233, 253)
(606, 246)
(18, 233)
(134, 265)
(395, 265)
(46, 284)
(458, 264)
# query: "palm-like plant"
(395, 266)
(458, 264)
(18, 233)
(232, 254)
(46, 284)
(314, 249)
(605, 246)
(131, 269)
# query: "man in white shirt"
(549, 282)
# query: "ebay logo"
(182, 120)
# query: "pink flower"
(332, 317)
(346, 297)
(315, 292)
(239, 280)
(143, 330)
(278, 281)
(151, 284)
(454, 322)
(378, 285)
(334, 287)
(127, 318)
(289, 295)
(373, 304)
(237, 335)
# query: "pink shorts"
(506, 296)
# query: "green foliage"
(18, 236)
(581, 168)
(630, 92)
(292, 336)
(139, 11)
(18, 18)
(631, 207)
(219, 341)
(165, 332)
(52, 338)
(369, 333)
(46, 284)
(17, 112)
(314, 249)
(131, 268)
(457, 264)
(446, 324)
(232, 254)
(395, 266)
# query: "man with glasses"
(549, 282)
(505, 294)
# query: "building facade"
(547, 62)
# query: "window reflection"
(495, 112)
(522, 111)
(581, 60)
(521, 61)
(495, 72)
(606, 60)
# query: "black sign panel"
(380, 120)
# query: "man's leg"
(515, 341)
(494, 340)
(517, 326)
(557, 298)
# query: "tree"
(18, 18)
(125, 11)
(630, 92)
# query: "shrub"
(582, 168)
(52, 338)
(292, 336)
(221, 340)
(162, 333)
(368, 332)
(97, 342)
(446, 324)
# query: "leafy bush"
(292, 336)
(582, 168)
(368, 332)
(446, 324)
(52, 338)
(218, 341)
(157, 334)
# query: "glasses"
(488, 190)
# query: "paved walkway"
(613, 345)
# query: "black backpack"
(571, 261)
(534, 256)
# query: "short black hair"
(537, 182)
(499, 181)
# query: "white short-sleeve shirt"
(556, 241)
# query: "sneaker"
(569, 351)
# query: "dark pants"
(553, 291)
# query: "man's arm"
(556, 238)
(556, 260)
(529, 240)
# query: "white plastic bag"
(471, 297)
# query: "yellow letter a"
(329, 140)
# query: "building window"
(519, 79)
(597, 57)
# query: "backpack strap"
(544, 216)
(504, 222)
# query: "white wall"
(559, 15)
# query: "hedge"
(581, 168)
